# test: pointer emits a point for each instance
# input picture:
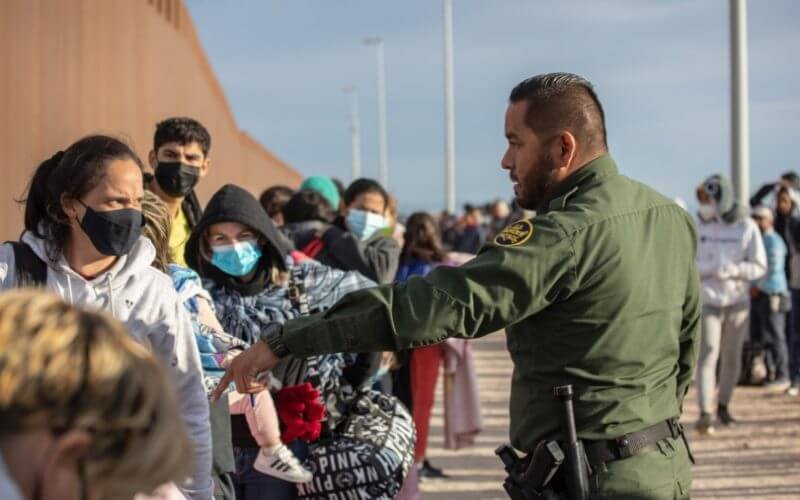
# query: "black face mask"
(113, 232)
(177, 179)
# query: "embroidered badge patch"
(515, 234)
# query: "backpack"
(31, 270)
(754, 364)
(368, 453)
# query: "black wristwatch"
(272, 335)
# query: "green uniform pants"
(662, 474)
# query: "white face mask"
(707, 211)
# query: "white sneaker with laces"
(282, 464)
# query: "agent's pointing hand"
(258, 358)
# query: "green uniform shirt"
(599, 291)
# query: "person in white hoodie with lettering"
(82, 241)
(730, 255)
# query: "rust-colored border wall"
(76, 67)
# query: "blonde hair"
(157, 228)
(64, 368)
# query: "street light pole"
(449, 119)
(355, 130)
(740, 113)
(382, 154)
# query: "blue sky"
(661, 69)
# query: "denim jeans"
(770, 326)
(253, 485)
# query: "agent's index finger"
(242, 381)
(224, 382)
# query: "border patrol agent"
(599, 290)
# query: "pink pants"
(259, 410)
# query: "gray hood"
(101, 292)
(720, 188)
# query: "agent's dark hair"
(183, 131)
(422, 239)
(559, 101)
(308, 205)
(361, 186)
(275, 198)
(68, 174)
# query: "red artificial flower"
(301, 412)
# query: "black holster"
(530, 478)
(554, 470)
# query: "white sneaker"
(282, 464)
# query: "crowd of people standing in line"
(749, 264)
(195, 286)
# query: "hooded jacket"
(144, 299)
(730, 251)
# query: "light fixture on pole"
(383, 161)
(449, 105)
(355, 130)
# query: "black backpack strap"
(31, 270)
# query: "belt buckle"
(675, 428)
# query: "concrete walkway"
(759, 458)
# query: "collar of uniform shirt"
(597, 169)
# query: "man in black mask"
(179, 159)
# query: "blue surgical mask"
(238, 259)
(364, 224)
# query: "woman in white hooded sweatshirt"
(730, 255)
(82, 240)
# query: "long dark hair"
(68, 174)
(422, 239)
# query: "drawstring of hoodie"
(110, 295)
(69, 290)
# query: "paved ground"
(759, 458)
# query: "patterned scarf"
(245, 317)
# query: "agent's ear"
(153, 159)
(566, 147)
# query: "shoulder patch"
(515, 234)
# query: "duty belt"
(628, 445)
